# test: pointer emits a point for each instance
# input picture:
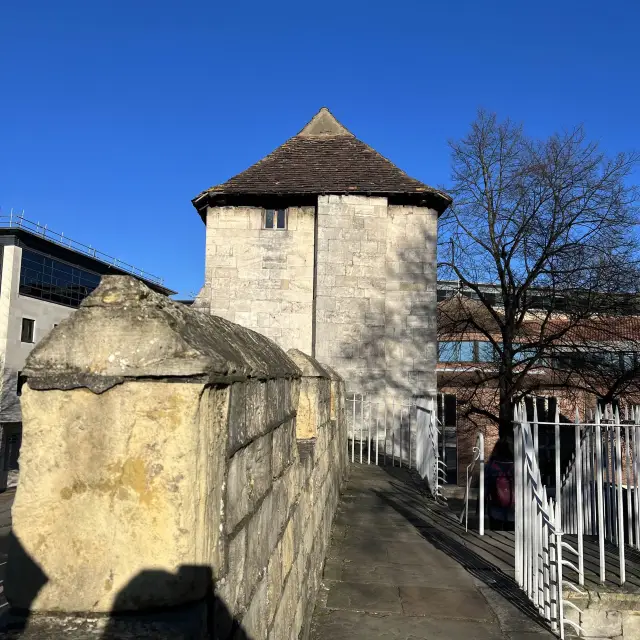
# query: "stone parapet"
(164, 469)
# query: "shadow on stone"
(24, 579)
(207, 618)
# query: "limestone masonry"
(173, 462)
(350, 276)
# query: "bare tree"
(551, 223)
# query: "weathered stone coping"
(124, 330)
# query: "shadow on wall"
(209, 618)
(388, 349)
(395, 351)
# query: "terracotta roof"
(455, 314)
(600, 329)
(459, 314)
(324, 158)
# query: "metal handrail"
(538, 533)
(440, 465)
(478, 454)
(597, 480)
(15, 221)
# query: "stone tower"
(326, 246)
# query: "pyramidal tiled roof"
(324, 158)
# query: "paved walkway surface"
(394, 571)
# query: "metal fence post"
(620, 507)
(518, 472)
(600, 494)
(557, 454)
(579, 499)
(481, 487)
(559, 573)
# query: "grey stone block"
(256, 408)
(248, 480)
(238, 434)
(282, 489)
(283, 447)
(276, 402)
(256, 621)
(231, 588)
(631, 624)
(258, 542)
(598, 622)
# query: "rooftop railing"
(18, 221)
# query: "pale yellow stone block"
(108, 493)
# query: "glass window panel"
(282, 219)
(449, 410)
(268, 218)
(523, 354)
(628, 361)
(51, 279)
(449, 351)
(28, 328)
(485, 352)
(466, 352)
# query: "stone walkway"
(394, 572)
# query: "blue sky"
(115, 113)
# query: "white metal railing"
(430, 463)
(18, 221)
(600, 492)
(478, 456)
(539, 547)
(397, 433)
(379, 432)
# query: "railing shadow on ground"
(482, 569)
(208, 617)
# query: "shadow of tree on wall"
(207, 618)
(396, 357)
(394, 354)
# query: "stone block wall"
(282, 491)
(411, 343)
(165, 468)
(376, 294)
(261, 278)
(351, 284)
(606, 614)
(371, 267)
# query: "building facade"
(596, 360)
(43, 280)
(326, 246)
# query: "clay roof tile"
(324, 158)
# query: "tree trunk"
(505, 385)
(506, 417)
